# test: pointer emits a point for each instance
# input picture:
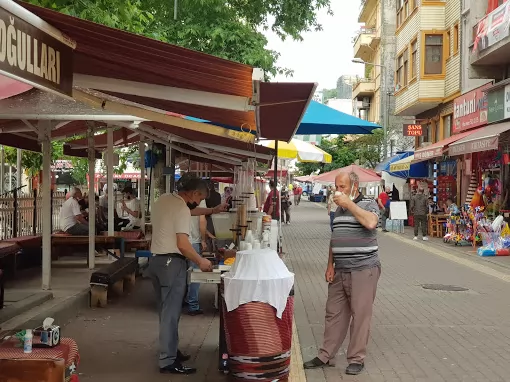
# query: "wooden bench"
(31, 370)
(26, 242)
(8, 249)
(112, 276)
(133, 240)
(60, 240)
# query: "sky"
(322, 56)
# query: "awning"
(386, 164)
(171, 78)
(484, 139)
(437, 149)
(405, 168)
(366, 177)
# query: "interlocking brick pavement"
(417, 334)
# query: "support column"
(109, 172)
(141, 184)
(168, 163)
(45, 138)
(19, 176)
(172, 173)
(2, 169)
(92, 199)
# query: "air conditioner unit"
(365, 102)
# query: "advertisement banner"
(428, 154)
(496, 105)
(493, 28)
(470, 110)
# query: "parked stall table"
(66, 350)
(436, 222)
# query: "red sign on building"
(470, 110)
(413, 130)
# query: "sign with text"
(496, 108)
(30, 55)
(470, 110)
(413, 130)
(429, 153)
(477, 145)
(493, 28)
(398, 211)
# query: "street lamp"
(386, 105)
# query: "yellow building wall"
(453, 64)
(432, 18)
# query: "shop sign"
(493, 28)
(496, 108)
(484, 144)
(400, 167)
(30, 55)
(413, 130)
(428, 154)
(470, 110)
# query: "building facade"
(344, 86)
(375, 44)
(428, 65)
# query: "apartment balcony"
(491, 43)
(363, 48)
(367, 7)
(364, 87)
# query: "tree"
(230, 29)
(327, 94)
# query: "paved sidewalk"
(417, 334)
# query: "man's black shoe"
(385, 230)
(195, 312)
(177, 368)
(182, 357)
(315, 364)
(354, 368)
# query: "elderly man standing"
(420, 209)
(352, 272)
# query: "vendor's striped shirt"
(354, 246)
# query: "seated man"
(130, 210)
(72, 220)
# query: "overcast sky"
(322, 56)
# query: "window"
(433, 54)
(414, 58)
(456, 39)
(404, 10)
(402, 69)
(447, 126)
(448, 45)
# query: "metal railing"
(20, 213)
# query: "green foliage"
(327, 94)
(231, 29)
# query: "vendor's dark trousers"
(168, 275)
(297, 199)
(285, 213)
(420, 219)
(351, 297)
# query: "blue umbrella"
(322, 119)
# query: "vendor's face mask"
(192, 205)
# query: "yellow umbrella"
(300, 150)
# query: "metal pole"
(386, 113)
(110, 191)
(92, 199)
(46, 204)
(168, 161)
(18, 168)
(275, 178)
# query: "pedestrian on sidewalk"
(384, 205)
(352, 272)
(272, 207)
(171, 247)
(419, 209)
(286, 203)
